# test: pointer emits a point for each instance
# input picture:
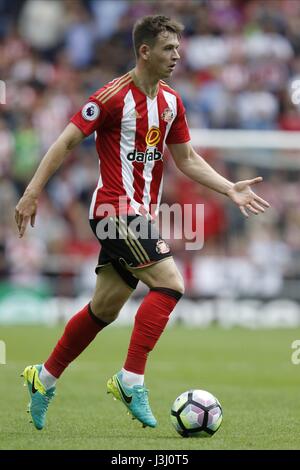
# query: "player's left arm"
(27, 206)
(195, 167)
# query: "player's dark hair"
(146, 30)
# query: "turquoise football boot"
(39, 396)
(135, 398)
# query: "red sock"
(79, 332)
(150, 321)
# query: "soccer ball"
(196, 413)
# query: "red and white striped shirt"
(131, 132)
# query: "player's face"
(164, 55)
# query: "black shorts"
(128, 242)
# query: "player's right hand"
(25, 211)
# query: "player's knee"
(106, 313)
(108, 316)
(179, 286)
(176, 283)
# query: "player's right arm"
(27, 205)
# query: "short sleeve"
(179, 132)
(90, 117)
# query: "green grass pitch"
(249, 371)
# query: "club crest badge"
(167, 115)
(162, 247)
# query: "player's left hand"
(242, 194)
(26, 211)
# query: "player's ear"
(144, 51)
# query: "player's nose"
(176, 55)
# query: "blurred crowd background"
(238, 61)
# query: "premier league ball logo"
(90, 111)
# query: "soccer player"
(134, 117)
